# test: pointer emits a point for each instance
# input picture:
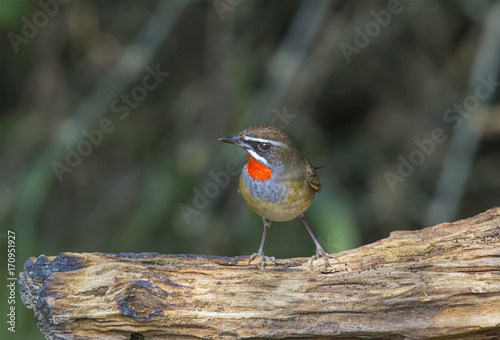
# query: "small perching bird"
(277, 183)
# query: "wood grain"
(439, 282)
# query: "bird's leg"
(260, 253)
(320, 252)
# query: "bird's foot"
(263, 258)
(320, 252)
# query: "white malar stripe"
(262, 140)
(257, 157)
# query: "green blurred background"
(354, 84)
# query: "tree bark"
(442, 281)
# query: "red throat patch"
(257, 170)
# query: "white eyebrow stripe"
(262, 140)
(257, 157)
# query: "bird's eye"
(264, 146)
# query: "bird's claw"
(263, 258)
(320, 252)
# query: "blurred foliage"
(231, 66)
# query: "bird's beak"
(236, 140)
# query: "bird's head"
(270, 152)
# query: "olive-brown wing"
(312, 177)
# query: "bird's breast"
(274, 199)
(270, 190)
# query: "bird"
(277, 182)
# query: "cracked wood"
(441, 281)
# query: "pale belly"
(275, 200)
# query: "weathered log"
(442, 281)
